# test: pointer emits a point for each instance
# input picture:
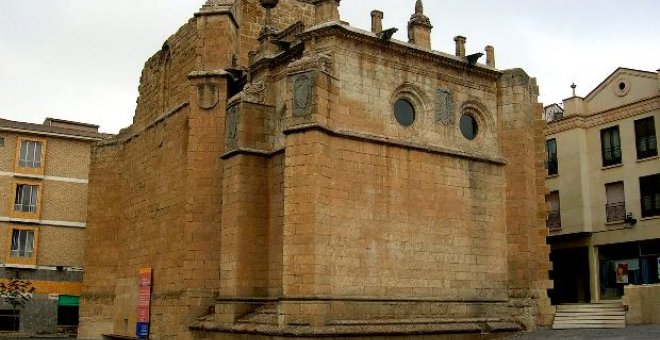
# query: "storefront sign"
(143, 303)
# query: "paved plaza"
(630, 332)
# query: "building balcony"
(616, 212)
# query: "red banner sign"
(144, 296)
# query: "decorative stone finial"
(419, 27)
(419, 7)
(268, 5)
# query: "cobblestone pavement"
(650, 332)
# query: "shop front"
(635, 263)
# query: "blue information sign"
(142, 330)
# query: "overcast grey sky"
(81, 59)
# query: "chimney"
(419, 27)
(460, 46)
(325, 10)
(376, 21)
(490, 56)
(658, 79)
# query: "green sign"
(69, 300)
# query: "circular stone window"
(404, 112)
(469, 126)
(622, 87)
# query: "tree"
(17, 292)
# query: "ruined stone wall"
(137, 220)
(521, 140)
(164, 83)
(252, 17)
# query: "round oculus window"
(469, 126)
(404, 112)
(622, 87)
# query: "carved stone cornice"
(281, 58)
(392, 141)
(364, 37)
(603, 117)
(313, 61)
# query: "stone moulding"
(443, 59)
(313, 62)
(591, 120)
(352, 325)
(278, 59)
(232, 299)
(393, 142)
(483, 115)
(250, 151)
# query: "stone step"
(266, 314)
(589, 326)
(590, 317)
(600, 315)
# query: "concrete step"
(598, 315)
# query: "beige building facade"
(604, 188)
(287, 174)
(43, 212)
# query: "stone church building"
(289, 174)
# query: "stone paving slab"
(643, 332)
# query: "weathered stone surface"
(301, 207)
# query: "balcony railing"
(650, 205)
(616, 212)
(554, 220)
(612, 155)
(647, 147)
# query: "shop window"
(615, 209)
(551, 153)
(647, 144)
(650, 195)
(554, 216)
(68, 310)
(611, 146)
